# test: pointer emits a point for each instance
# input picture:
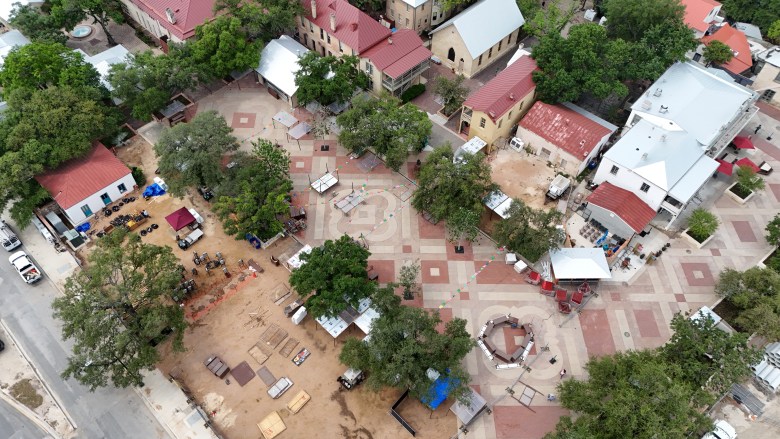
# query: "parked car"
(723, 430)
(8, 238)
(280, 387)
(190, 239)
(25, 267)
(206, 193)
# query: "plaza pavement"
(478, 286)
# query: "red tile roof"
(738, 42)
(81, 178)
(696, 11)
(353, 26)
(502, 92)
(624, 204)
(564, 128)
(398, 57)
(188, 14)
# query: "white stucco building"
(84, 186)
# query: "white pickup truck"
(25, 266)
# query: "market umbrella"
(725, 167)
(742, 142)
(746, 162)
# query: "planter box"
(766, 258)
(736, 197)
(441, 113)
(694, 242)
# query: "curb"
(154, 411)
(37, 374)
(29, 414)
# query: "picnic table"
(351, 201)
(285, 119)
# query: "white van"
(8, 238)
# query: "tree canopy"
(773, 230)
(762, 13)
(443, 187)
(333, 276)
(631, 19)
(452, 91)
(116, 307)
(586, 61)
(191, 153)
(550, 20)
(404, 344)
(328, 79)
(463, 225)
(382, 124)
(717, 52)
(36, 25)
(528, 231)
(146, 82)
(45, 64)
(222, 46)
(257, 193)
(66, 122)
(642, 393)
(70, 12)
(262, 20)
(756, 293)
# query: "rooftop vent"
(492, 114)
(511, 96)
(664, 109)
(644, 157)
(663, 137)
(390, 41)
(170, 16)
(646, 105)
(582, 142)
(657, 92)
(735, 53)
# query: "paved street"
(13, 425)
(106, 413)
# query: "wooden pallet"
(288, 347)
(273, 336)
(260, 352)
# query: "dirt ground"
(234, 326)
(522, 176)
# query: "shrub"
(138, 176)
(748, 181)
(702, 224)
(412, 92)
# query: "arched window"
(451, 54)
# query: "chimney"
(313, 8)
(390, 41)
(170, 16)
(333, 22)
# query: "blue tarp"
(153, 191)
(439, 391)
(83, 227)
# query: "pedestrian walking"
(563, 373)
(550, 397)
(758, 128)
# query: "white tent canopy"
(580, 263)
(363, 317)
(499, 203)
(295, 261)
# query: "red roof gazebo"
(180, 219)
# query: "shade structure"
(745, 162)
(742, 142)
(300, 130)
(725, 167)
(180, 219)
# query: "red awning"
(180, 219)
(743, 143)
(725, 167)
(747, 163)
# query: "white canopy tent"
(363, 317)
(499, 203)
(580, 263)
(473, 146)
(295, 261)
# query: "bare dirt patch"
(522, 176)
(24, 392)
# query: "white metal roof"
(499, 203)
(9, 40)
(771, 56)
(750, 30)
(580, 263)
(485, 23)
(690, 183)
(414, 3)
(334, 325)
(694, 100)
(366, 320)
(295, 261)
(279, 62)
(7, 5)
(103, 61)
(706, 311)
(659, 156)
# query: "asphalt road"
(106, 413)
(14, 425)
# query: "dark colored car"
(206, 193)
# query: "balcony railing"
(393, 84)
(733, 129)
(466, 115)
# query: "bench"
(490, 347)
(500, 321)
(500, 356)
